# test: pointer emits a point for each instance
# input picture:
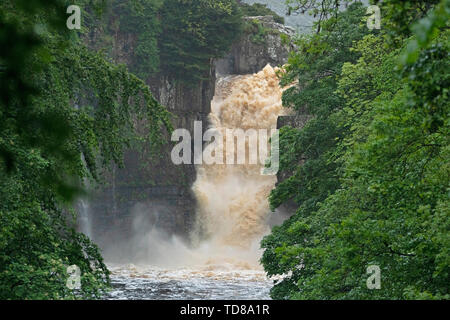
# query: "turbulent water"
(197, 283)
(222, 260)
(232, 199)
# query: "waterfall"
(84, 218)
(232, 199)
(233, 207)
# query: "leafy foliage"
(64, 112)
(257, 31)
(177, 38)
(140, 17)
(315, 66)
(321, 10)
(376, 191)
(193, 33)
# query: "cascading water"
(85, 221)
(232, 217)
(232, 199)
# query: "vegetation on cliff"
(193, 33)
(65, 111)
(172, 37)
(175, 38)
(370, 172)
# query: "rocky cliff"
(264, 41)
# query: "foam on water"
(223, 281)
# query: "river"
(203, 283)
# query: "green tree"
(195, 32)
(388, 203)
(316, 66)
(140, 18)
(64, 112)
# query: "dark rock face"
(250, 54)
(152, 186)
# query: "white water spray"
(85, 219)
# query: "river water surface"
(204, 283)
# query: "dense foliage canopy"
(369, 172)
(65, 112)
(193, 33)
(178, 38)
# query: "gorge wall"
(151, 187)
(261, 44)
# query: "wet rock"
(261, 43)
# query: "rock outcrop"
(262, 43)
